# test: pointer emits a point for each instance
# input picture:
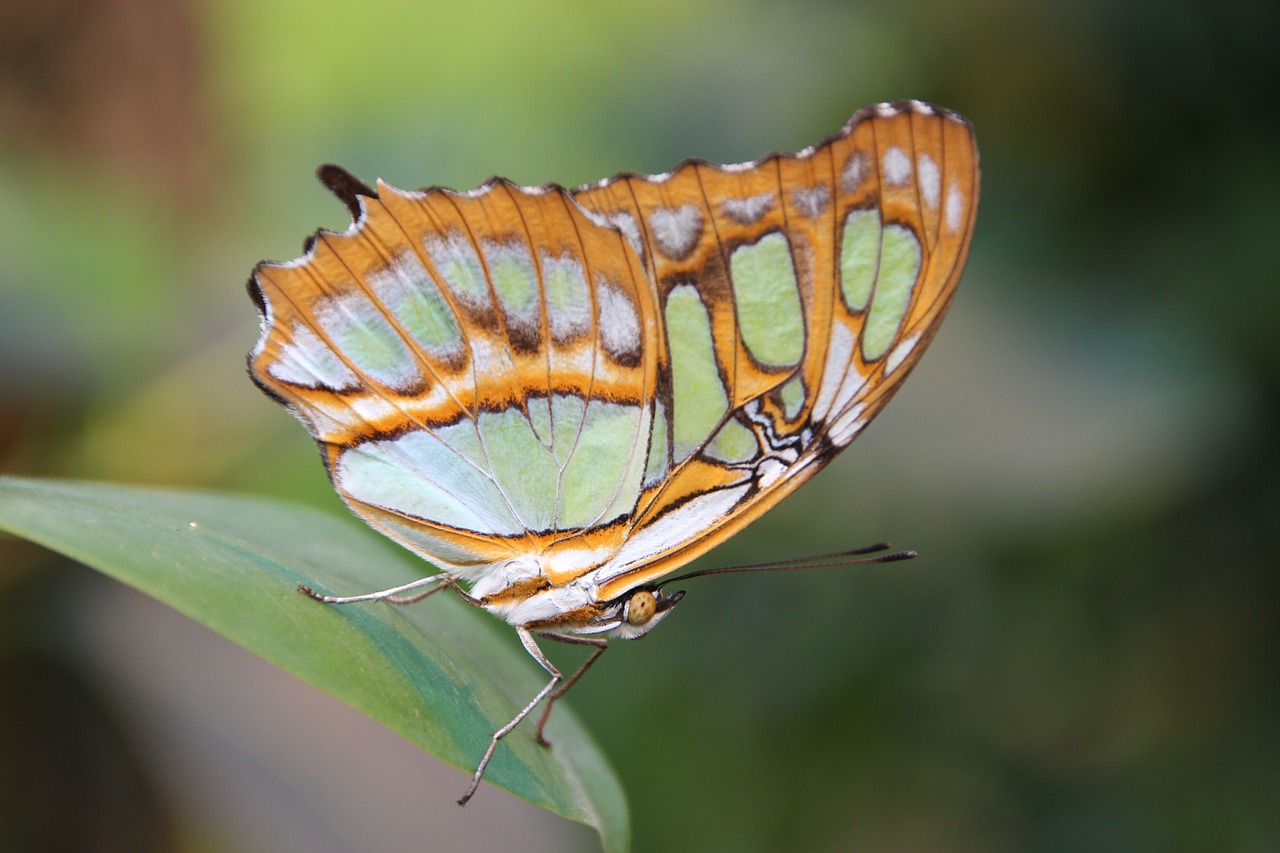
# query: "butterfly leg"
(392, 594)
(531, 646)
(600, 643)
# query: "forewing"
(797, 292)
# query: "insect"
(559, 397)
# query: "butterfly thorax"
(521, 592)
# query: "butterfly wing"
(478, 368)
(797, 292)
(617, 378)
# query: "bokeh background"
(1085, 656)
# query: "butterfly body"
(558, 397)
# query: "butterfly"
(560, 396)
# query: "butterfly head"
(634, 614)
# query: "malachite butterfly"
(558, 397)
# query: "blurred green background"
(1085, 656)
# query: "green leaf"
(432, 672)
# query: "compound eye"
(641, 607)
